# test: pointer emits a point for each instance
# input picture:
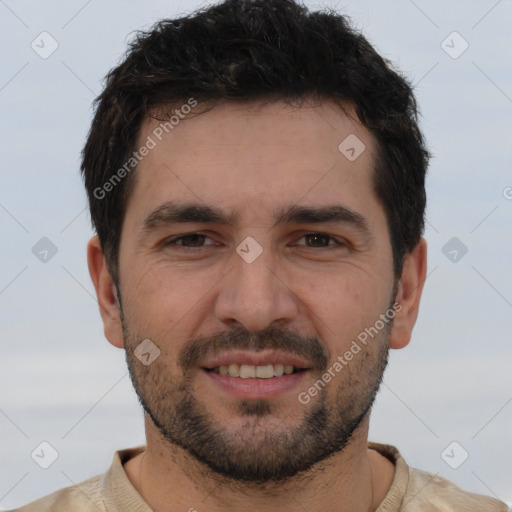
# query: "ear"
(106, 293)
(408, 296)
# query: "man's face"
(293, 266)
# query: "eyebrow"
(331, 214)
(175, 213)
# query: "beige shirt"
(412, 490)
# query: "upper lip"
(262, 358)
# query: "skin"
(250, 160)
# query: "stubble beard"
(262, 448)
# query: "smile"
(249, 371)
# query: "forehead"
(256, 156)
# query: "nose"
(253, 294)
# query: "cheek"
(163, 300)
(343, 304)
(340, 292)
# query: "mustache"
(201, 348)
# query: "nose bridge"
(255, 268)
(252, 294)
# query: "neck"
(169, 479)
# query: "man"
(256, 175)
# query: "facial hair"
(261, 449)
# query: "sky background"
(60, 380)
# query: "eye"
(198, 240)
(190, 240)
(320, 240)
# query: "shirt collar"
(120, 495)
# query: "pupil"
(315, 238)
(191, 238)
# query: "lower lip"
(257, 388)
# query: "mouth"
(262, 372)
(256, 375)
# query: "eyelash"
(337, 242)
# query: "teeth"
(233, 370)
(278, 370)
(264, 372)
(249, 371)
